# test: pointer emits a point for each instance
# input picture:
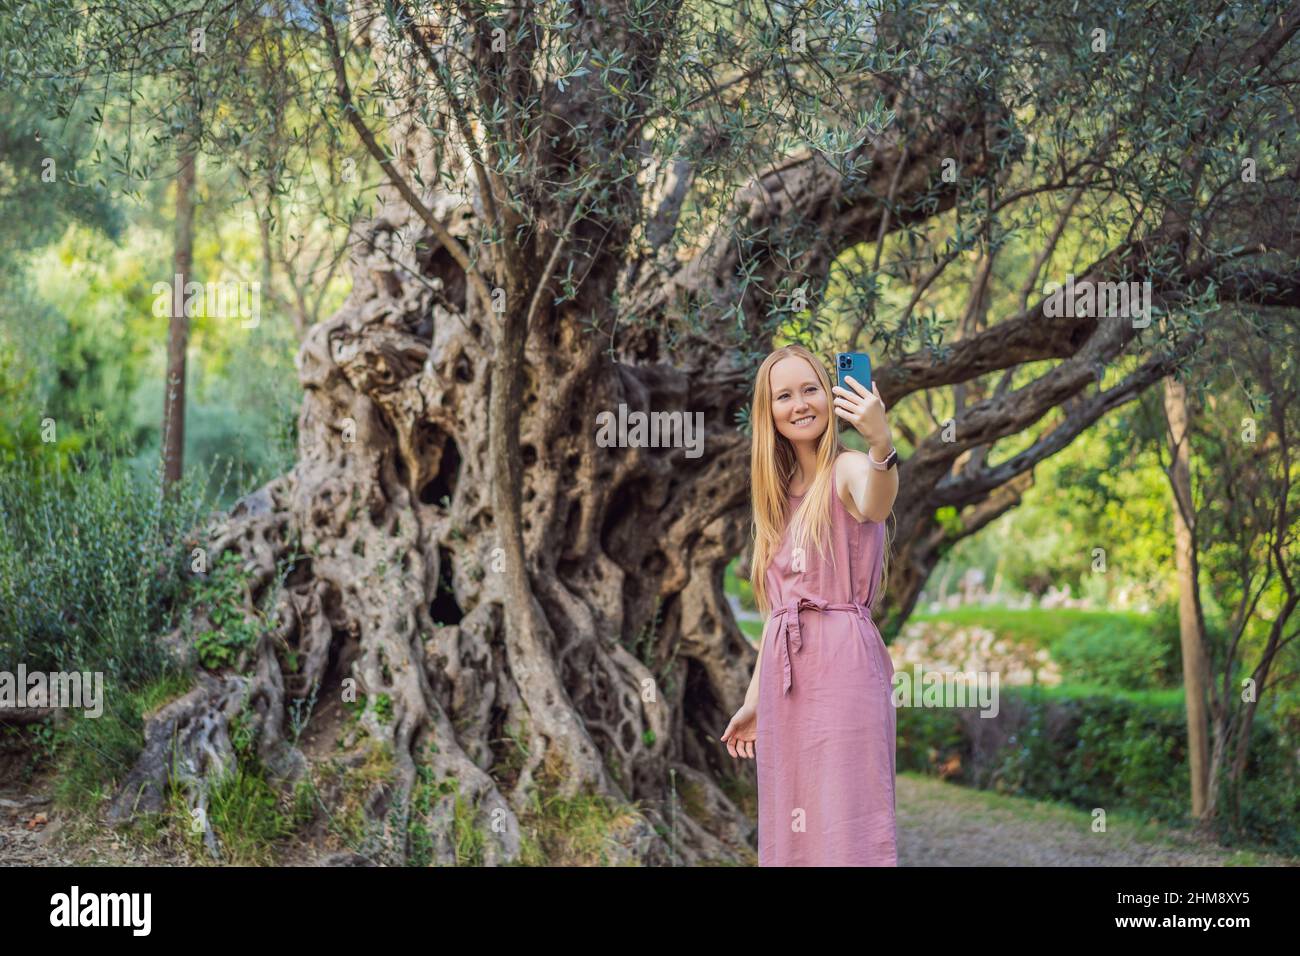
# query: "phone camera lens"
(846, 362)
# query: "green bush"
(1266, 809)
(222, 596)
(90, 566)
(24, 433)
(1125, 652)
(927, 737)
(248, 813)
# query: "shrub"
(233, 628)
(1126, 652)
(90, 562)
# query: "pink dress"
(826, 725)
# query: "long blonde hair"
(772, 466)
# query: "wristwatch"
(890, 460)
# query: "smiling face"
(800, 405)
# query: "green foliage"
(244, 811)
(949, 520)
(247, 813)
(24, 430)
(470, 840)
(88, 328)
(1040, 627)
(90, 566)
(94, 755)
(419, 837)
(580, 830)
(1097, 519)
(1115, 651)
(39, 160)
(926, 737)
(355, 785)
(222, 598)
(1267, 808)
(355, 708)
(1082, 750)
(80, 319)
(733, 583)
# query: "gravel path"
(943, 824)
(26, 831)
(32, 833)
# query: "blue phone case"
(856, 364)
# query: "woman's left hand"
(864, 410)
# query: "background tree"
(1243, 525)
(1191, 625)
(178, 325)
(304, 189)
(41, 193)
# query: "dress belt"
(790, 634)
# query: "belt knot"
(790, 636)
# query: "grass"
(578, 830)
(1040, 627)
(90, 758)
(93, 756)
(356, 784)
(1162, 698)
(246, 814)
(469, 840)
(1096, 650)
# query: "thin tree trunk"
(178, 329)
(1195, 672)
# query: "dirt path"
(33, 833)
(943, 824)
(27, 830)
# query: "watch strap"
(885, 465)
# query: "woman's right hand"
(742, 731)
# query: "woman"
(817, 715)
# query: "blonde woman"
(817, 716)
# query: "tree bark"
(1191, 632)
(178, 327)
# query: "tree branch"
(968, 487)
(440, 232)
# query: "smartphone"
(856, 364)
